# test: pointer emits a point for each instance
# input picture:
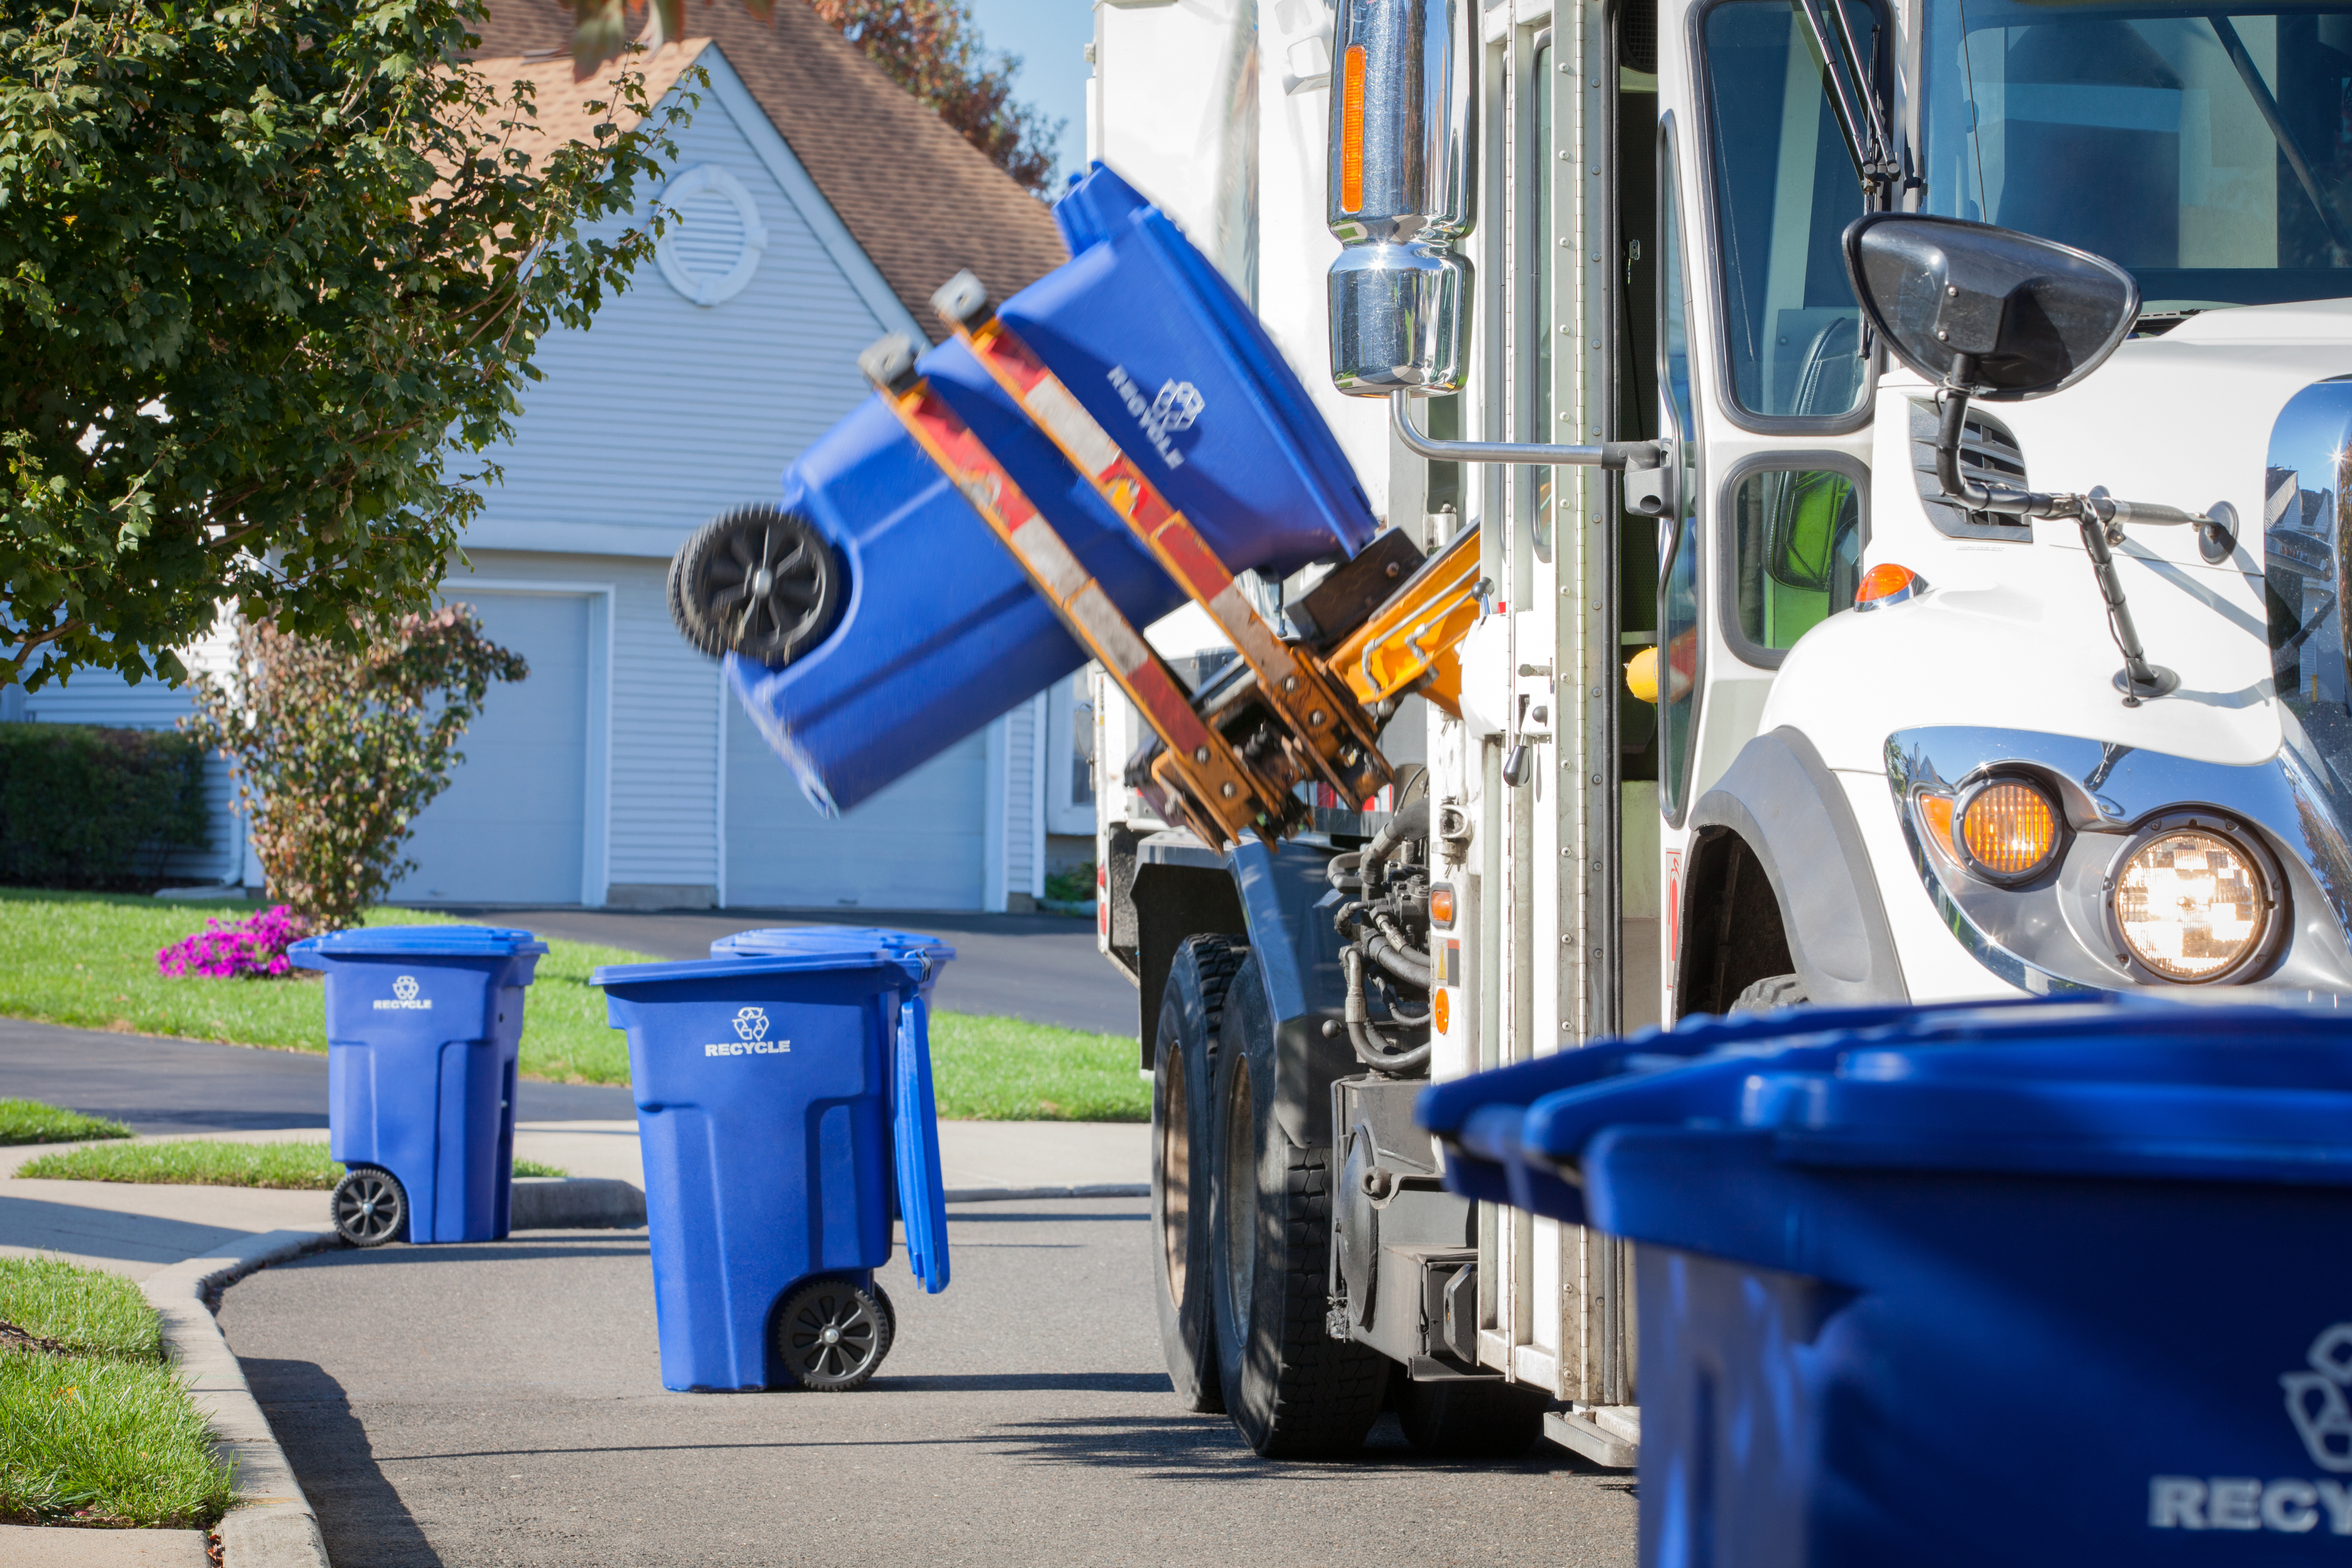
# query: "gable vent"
(1989, 454)
(712, 242)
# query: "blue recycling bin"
(424, 1028)
(942, 631)
(2027, 1285)
(784, 1110)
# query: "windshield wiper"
(1852, 93)
(2293, 150)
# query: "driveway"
(502, 1405)
(1043, 968)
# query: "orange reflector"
(2010, 829)
(1352, 130)
(1441, 905)
(1887, 582)
(1935, 812)
(1439, 1012)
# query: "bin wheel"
(1182, 1068)
(1293, 1392)
(370, 1206)
(1471, 1420)
(1774, 991)
(759, 582)
(831, 1334)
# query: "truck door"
(1765, 382)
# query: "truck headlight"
(2193, 900)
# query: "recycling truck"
(1588, 516)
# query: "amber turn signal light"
(2009, 829)
(1352, 130)
(1441, 905)
(1887, 583)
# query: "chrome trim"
(2058, 924)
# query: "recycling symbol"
(752, 1023)
(1179, 404)
(406, 988)
(2315, 1399)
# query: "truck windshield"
(2208, 151)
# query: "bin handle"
(922, 1200)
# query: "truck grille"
(1989, 454)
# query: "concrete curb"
(274, 1526)
(1028, 1195)
(575, 1202)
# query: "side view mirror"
(1984, 311)
(1400, 177)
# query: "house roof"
(919, 200)
(560, 106)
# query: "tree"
(335, 748)
(930, 47)
(272, 273)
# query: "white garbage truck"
(1974, 632)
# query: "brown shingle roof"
(918, 199)
(560, 106)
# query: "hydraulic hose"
(1372, 1049)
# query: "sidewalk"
(136, 1229)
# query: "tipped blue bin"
(942, 631)
(2037, 1284)
(784, 1110)
(424, 1028)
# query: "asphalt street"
(194, 1086)
(1043, 968)
(502, 1404)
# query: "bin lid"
(917, 964)
(2131, 1088)
(417, 942)
(773, 941)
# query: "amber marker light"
(1936, 817)
(1887, 583)
(1352, 130)
(1441, 905)
(2010, 829)
(1440, 1012)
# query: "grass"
(96, 1428)
(88, 960)
(30, 1121)
(205, 1163)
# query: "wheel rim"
(1239, 1198)
(830, 1336)
(768, 584)
(367, 1207)
(1175, 1178)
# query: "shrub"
(335, 751)
(254, 945)
(86, 808)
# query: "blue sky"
(1051, 38)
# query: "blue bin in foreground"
(2031, 1284)
(423, 1027)
(784, 1109)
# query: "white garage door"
(511, 828)
(915, 846)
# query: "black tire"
(1295, 1392)
(1772, 992)
(832, 1333)
(1183, 1075)
(368, 1206)
(1471, 1420)
(759, 582)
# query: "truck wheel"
(759, 582)
(1772, 991)
(1471, 1420)
(1295, 1392)
(1183, 1069)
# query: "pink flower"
(253, 946)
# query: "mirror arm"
(1603, 454)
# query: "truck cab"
(1769, 703)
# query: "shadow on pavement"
(1026, 1383)
(1206, 1447)
(514, 1250)
(359, 1513)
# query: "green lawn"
(207, 1162)
(30, 1121)
(88, 960)
(96, 1427)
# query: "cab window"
(1793, 555)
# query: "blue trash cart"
(424, 1029)
(784, 1110)
(2033, 1284)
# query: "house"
(822, 206)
